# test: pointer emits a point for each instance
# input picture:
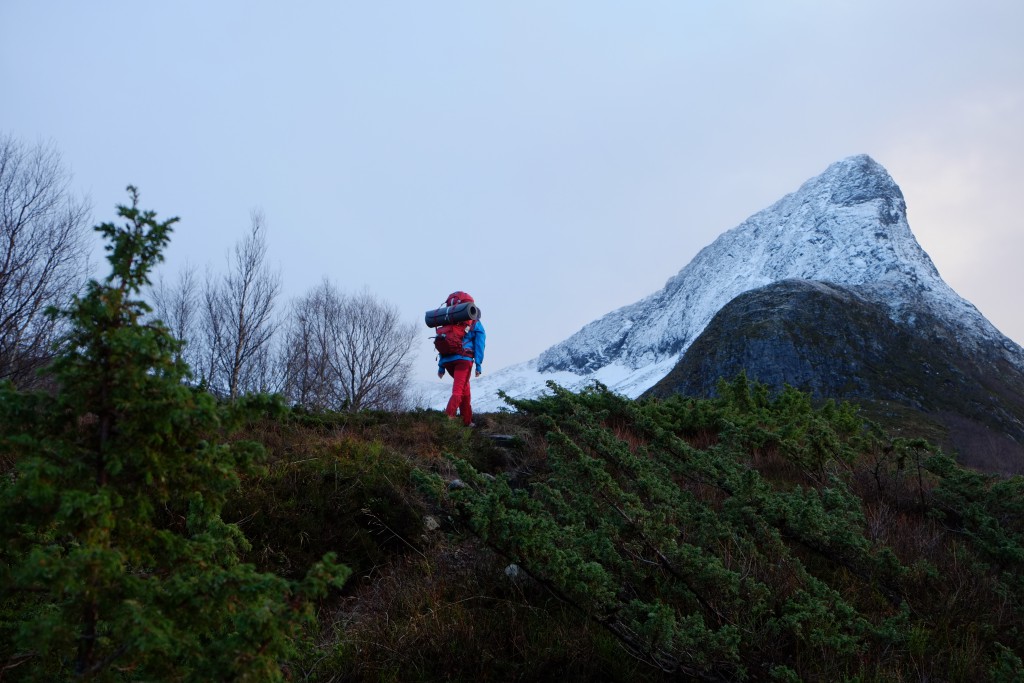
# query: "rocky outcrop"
(838, 342)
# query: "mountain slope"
(847, 226)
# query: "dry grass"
(453, 614)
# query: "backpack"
(450, 339)
(456, 298)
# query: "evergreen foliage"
(115, 563)
(730, 539)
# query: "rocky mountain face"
(835, 341)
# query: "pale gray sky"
(555, 159)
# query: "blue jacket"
(475, 339)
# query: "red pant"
(461, 370)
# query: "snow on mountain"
(847, 226)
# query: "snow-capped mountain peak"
(847, 226)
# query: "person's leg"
(456, 397)
(465, 408)
(460, 370)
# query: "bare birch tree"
(374, 353)
(239, 320)
(210, 333)
(179, 307)
(307, 349)
(347, 352)
(42, 254)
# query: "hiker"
(460, 364)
